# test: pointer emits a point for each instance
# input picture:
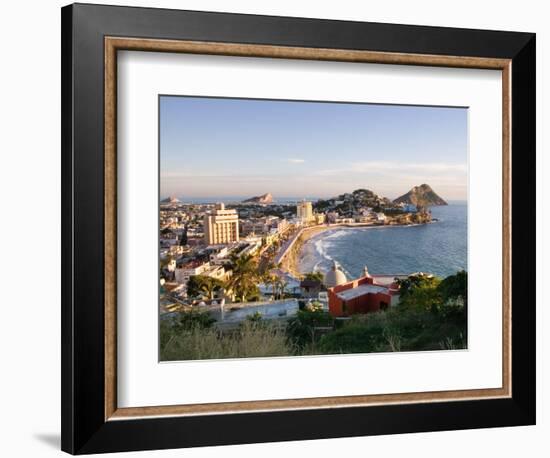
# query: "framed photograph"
(282, 228)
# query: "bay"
(439, 247)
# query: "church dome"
(335, 277)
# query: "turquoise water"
(439, 248)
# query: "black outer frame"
(84, 429)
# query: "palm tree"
(244, 276)
(315, 276)
(282, 284)
(268, 278)
(210, 286)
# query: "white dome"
(335, 277)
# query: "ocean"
(439, 247)
(238, 199)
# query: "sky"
(225, 147)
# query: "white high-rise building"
(222, 226)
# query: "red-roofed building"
(362, 295)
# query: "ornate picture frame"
(92, 37)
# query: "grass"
(251, 340)
(398, 329)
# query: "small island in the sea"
(170, 200)
(278, 242)
(262, 200)
(422, 195)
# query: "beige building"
(222, 226)
(319, 218)
(304, 211)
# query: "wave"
(325, 260)
(439, 248)
(337, 234)
(320, 247)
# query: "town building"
(319, 218)
(381, 217)
(221, 226)
(304, 211)
(332, 217)
(221, 256)
(184, 272)
(171, 266)
(263, 225)
(362, 295)
(410, 208)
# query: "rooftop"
(387, 280)
(361, 290)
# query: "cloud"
(296, 161)
(397, 168)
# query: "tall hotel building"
(222, 226)
(304, 211)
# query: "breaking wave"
(437, 248)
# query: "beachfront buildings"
(304, 211)
(263, 225)
(221, 226)
(305, 214)
(369, 293)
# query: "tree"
(200, 285)
(245, 276)
(164, 262)
(183, 240)
(315, 276)
(300, 329)
(412, 282)
(447, 297)
(420, 291)
(455, 286)
(272, 280)
(211, 286)
(266, 275)
(281, 286)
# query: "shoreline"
(290, 261)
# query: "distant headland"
(170, 200)
(422, 195)
(263, 199)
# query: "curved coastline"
(290, 260)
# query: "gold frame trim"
(112, 45)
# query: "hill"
(170, 200)
(422, 195)
(263, 199)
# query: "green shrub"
(193, 319)
(249, 341)
(353, 338)
(301, 329)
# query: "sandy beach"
(290, 262)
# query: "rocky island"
(423, 196)
(264, 199)
(170, 200)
